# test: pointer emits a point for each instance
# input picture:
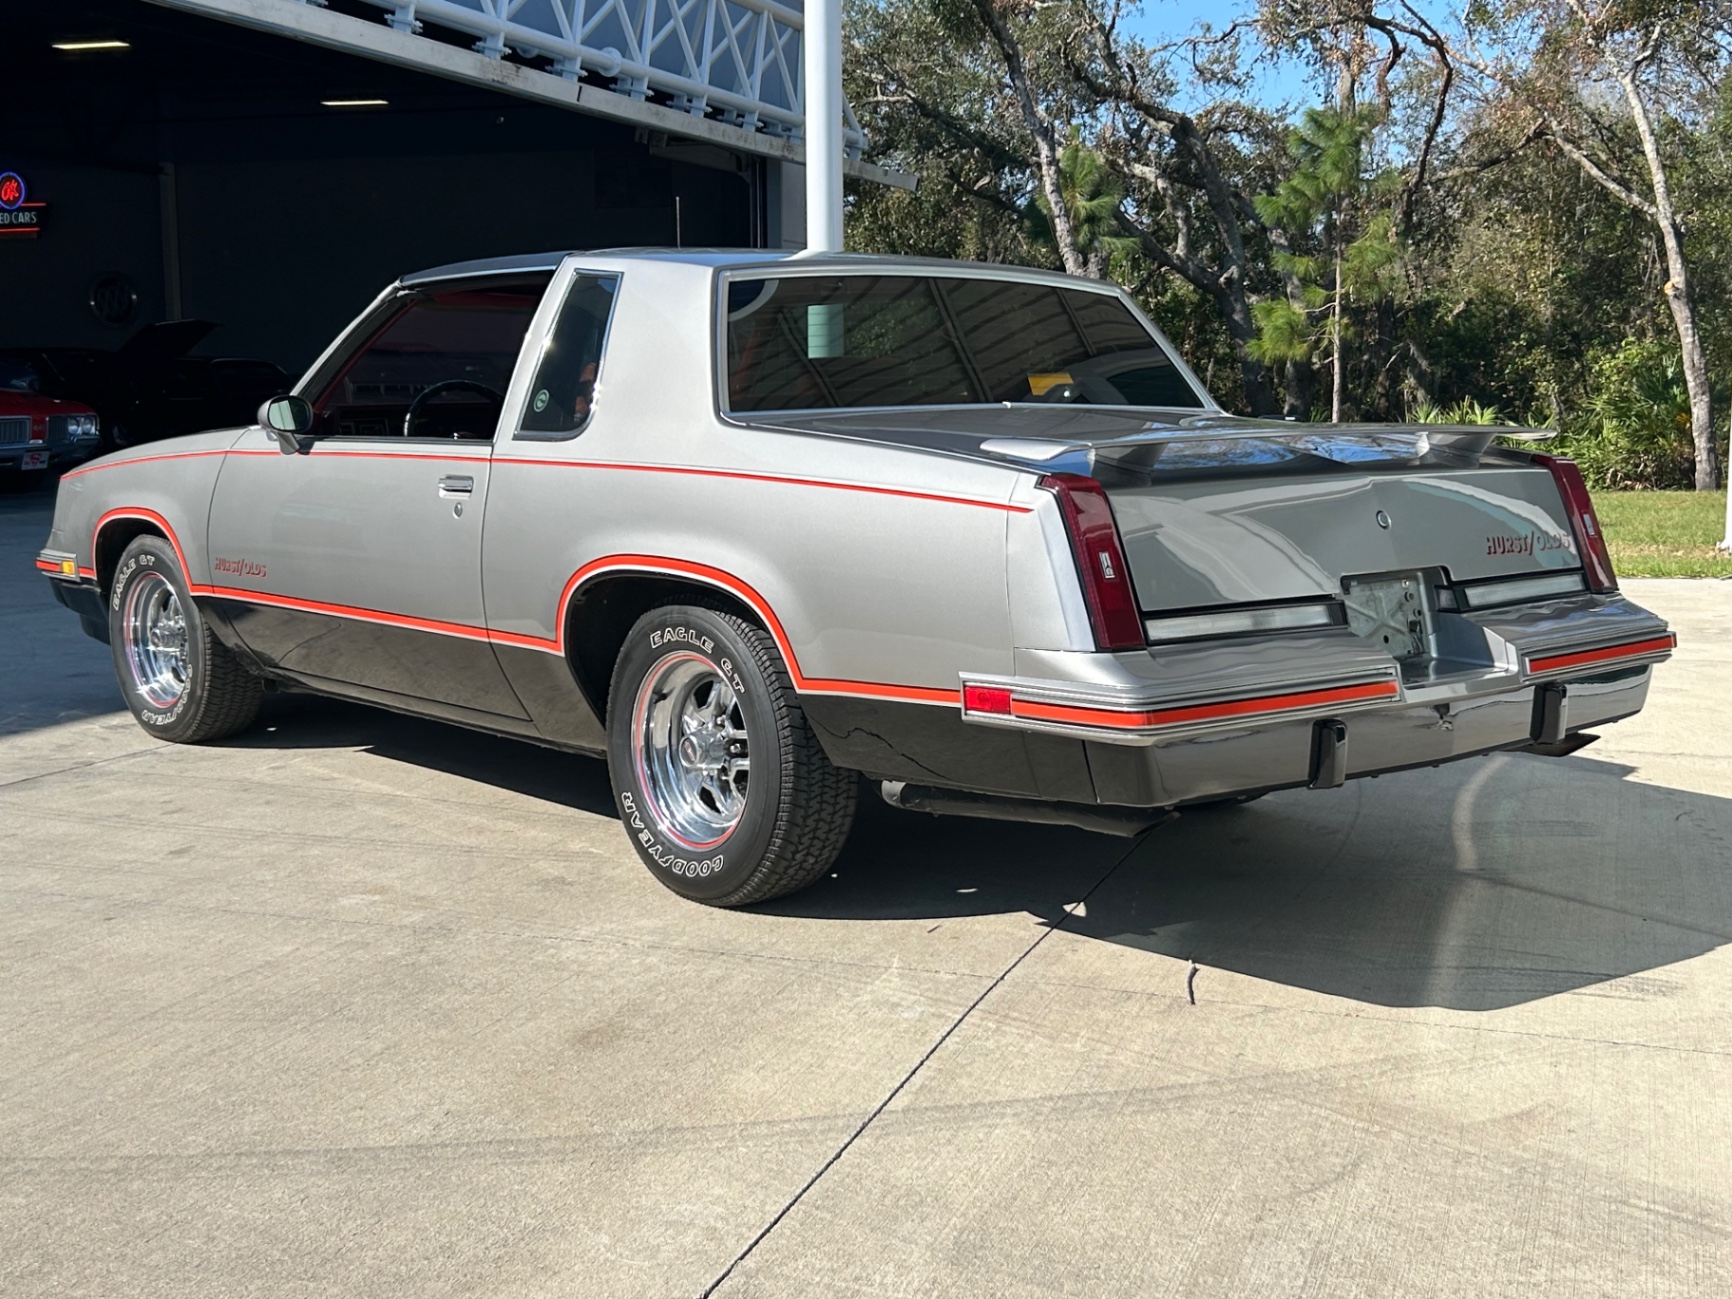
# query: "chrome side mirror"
(290, 418)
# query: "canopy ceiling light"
(354, 103)
(92, 45)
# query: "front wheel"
(179, 680)
(721, 784)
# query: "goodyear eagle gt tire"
(721, 784)
(179, 680)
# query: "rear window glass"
(802, 342)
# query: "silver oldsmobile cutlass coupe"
(753, 525)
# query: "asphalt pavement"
(360, 1005)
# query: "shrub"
(1465, 411)
(1636, 430)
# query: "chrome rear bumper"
(1157, 695)
(1283, 754)
(1206, 720)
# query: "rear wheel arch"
(602, 611)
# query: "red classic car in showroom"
(37, 431)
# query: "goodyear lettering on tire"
(667, 860)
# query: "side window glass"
(562, 394)
(437, 369)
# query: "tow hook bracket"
(1551, 714)
(1328, 754)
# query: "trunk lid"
(1215, 509)
(1212, 541)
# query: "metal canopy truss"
(738, 60)
(737, 82)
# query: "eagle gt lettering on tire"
(723, 788)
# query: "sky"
(1165, 20)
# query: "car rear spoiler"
(1413, 443)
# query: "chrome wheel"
(691, 751)
(154, 632)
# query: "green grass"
(1665, 534)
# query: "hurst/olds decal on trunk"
(1528, 543)
(238, 567)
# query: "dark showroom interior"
(201, 169)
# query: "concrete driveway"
(360, 1005)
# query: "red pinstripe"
(804, 684)
(760, 606)
(743, 476)
(149, 516)
(1583, 658)
(1203, 712)
(355, 613)
(556, 645)
(1032, 711)
(678, 470)
(145, 460)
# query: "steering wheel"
(444, 385)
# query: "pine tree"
(1330, 196)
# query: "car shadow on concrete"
(1481, 885)
(290, 720)
(1477, 886)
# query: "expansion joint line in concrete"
(909, 1077)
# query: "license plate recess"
(1392, 611)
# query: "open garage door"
(177, 163)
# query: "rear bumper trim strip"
(1060, 707)
(1651, 649)
(1223, 710)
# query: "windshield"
(18, 375)
(828, 341)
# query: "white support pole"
(1726, 482)
(823, 75)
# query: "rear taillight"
(1596, 559)
(1100, 561)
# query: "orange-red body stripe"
(744, 476)
(1582, 658)
(681, 470)
(556, 645)
(759, 605)
(1224, 709)
(354, 612)
(149, 516)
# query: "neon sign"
(16, 216)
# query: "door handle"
(456, 485)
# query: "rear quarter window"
(562, 393)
